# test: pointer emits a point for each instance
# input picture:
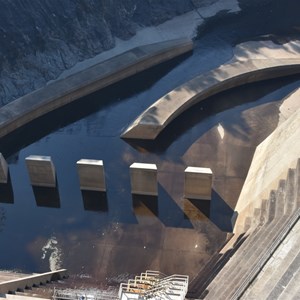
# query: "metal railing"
(156, 285)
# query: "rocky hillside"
(40, 39)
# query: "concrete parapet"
(31, 280)
(197, 183)
(154, 119)
(41, 171)
(91, 175)
(3, 169)
(143, 179)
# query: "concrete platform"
(91, 175)
(153, 120)
(197, 183)
(143, 179)
(3, 169)
(41, 171)
(25, 281)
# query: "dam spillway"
(147, 234)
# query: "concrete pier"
(91, 175)
(3, 169)
(197, 183)
(41, 171)
(155, 118)
(143, 179)
(62, 92)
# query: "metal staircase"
(154, 285)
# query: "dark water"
(102, 236)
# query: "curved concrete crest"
(153, 120)
(61, 92)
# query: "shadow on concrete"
(6, 191)
(145, 205)
(221, 213)
(170, 214)
(94, 201)
(216, 210)
(46, 196)
(200, 205)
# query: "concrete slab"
(91, 175)
(3, 169)
(198, 183)
(41, 170)
(143, 179)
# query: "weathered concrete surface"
(62, 92)
(41, 170)
(151, 122)
(3, 169)
(91, 175)
(143, 179)
(197, 183)
(31, 280)
(22, 297)
(272, 158)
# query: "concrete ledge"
(197, 183)
(41, 171)
(30, 281)
(152, 121)
(3, 169)
(91, 175)
(143, 179)
(64, 91)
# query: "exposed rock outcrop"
(40, 39)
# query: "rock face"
(40, 39)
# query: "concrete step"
(272, 206)
(245, 264)
(247, 224)
(31, 294)
(280, 199)
(256, 217)
(264, 212)
(298, 184)
(20, 297)
(291, 291)
(7, 275)
(227, 270)
(290, 193)
(216, 263)
(285, 279)
(277, 268)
